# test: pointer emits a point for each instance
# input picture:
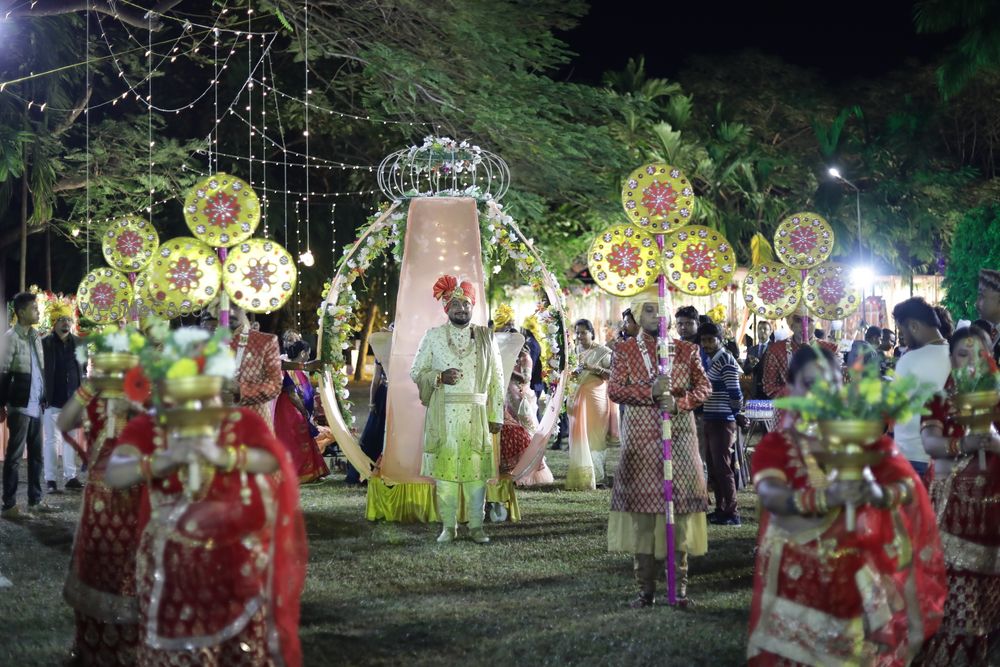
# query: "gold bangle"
(955, 447)
(233, 458)
(797, 500)
(241, 457)
(821, 502)
(146, 467)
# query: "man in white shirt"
(923, 328)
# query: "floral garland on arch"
(502, 241)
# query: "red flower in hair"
(137, 386)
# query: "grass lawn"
(543, 592)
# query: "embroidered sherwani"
(637, 504)
(458, 446)
(258, 374)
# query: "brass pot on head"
(848, 452)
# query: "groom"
(457, 370)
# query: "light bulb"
(833, 171)
(862, 276)
(307, 258)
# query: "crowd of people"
(168, 570)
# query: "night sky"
(844, 40)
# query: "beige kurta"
(458, 446)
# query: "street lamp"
(835, 173)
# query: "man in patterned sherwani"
(638, 510)
(258, 366)
(457, 370)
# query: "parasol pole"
(223, 295)
(663, 354)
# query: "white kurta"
(466, 454)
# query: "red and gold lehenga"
(297, 432)
(826, 596)
(967, 503)
(220, 575)
(101, 583)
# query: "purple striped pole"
(223, 295)
(663, 354)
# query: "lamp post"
(861, 274)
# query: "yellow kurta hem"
(645, 533)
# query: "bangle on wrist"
(146, 467)
(232, 458)
(955, 447)
(241, 458)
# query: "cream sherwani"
(458, 447)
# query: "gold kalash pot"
(109, 372)
(848, 452)
(195, 410)
(976, 411)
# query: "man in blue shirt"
(719, 415)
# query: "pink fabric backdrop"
(442, 236)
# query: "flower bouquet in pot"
(976, 395)
(850, 418)
(189, 369)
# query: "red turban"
(448, 288)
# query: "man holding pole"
(637, 523)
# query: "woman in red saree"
(293, 420)
(219, 574)
(824, 595)
(967, 501)
(101, 582)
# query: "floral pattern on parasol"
(803, 240)
(624, 259)
(829, 293)
(659, 197)
(222, 210)
(259, 275)
(129, 243)
(772, 290)
(184, 277)
(104, 296)
(698, 260)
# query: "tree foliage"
(976, 246)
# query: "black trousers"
(24, 431)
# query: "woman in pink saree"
(588, 410)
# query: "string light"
(306, 258)
(86, 118)
(342, 114)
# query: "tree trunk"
(48, 257)
(359, 368)
(24, 229)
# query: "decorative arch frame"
(503, 241)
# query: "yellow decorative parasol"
(624, 259)
(129, 243)
(698, 260)
(658, 196)
(104, 296)
(222, 210)
(829, 293)
(772, 290)
(259, 275)
(183, 278)
(803, 240)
